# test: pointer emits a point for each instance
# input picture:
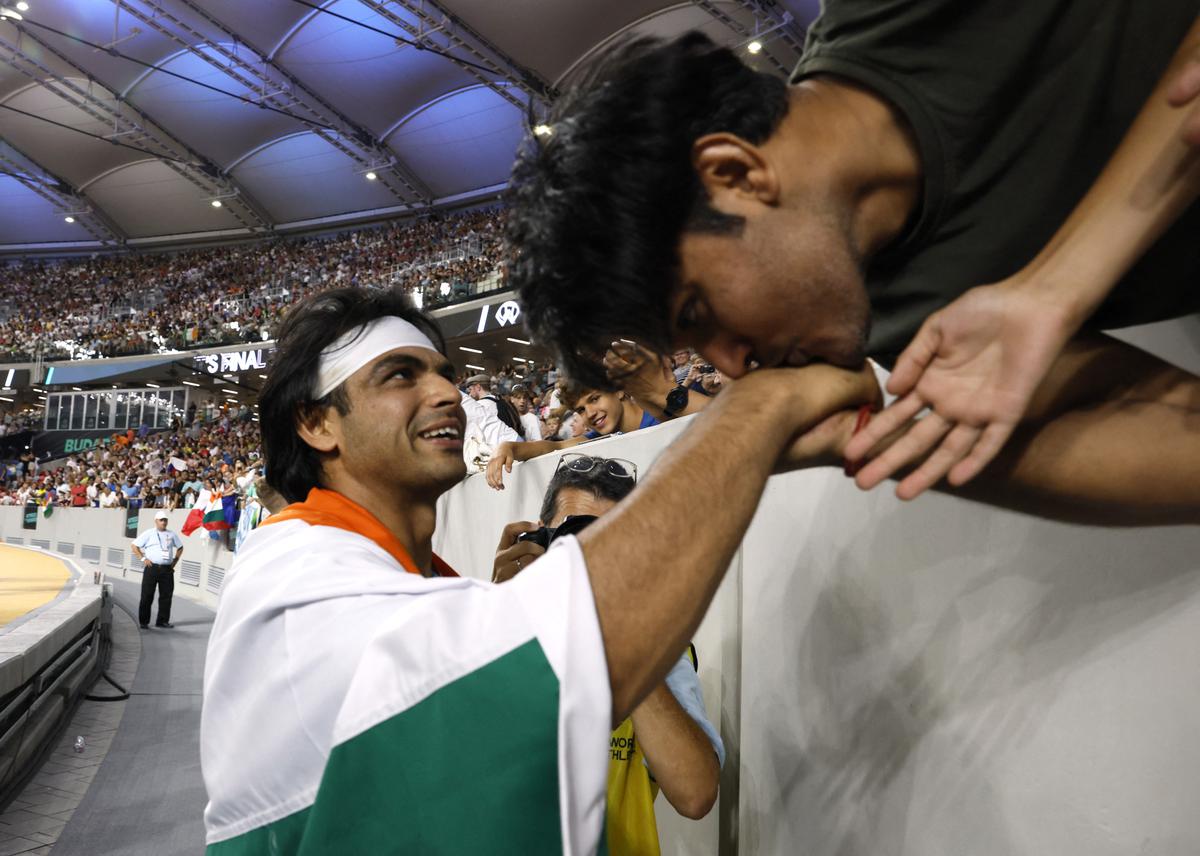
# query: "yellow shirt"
(632, 829)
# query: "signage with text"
(231, 362)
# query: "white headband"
(361, 345)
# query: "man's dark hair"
(292, 466)
(597, 207)
(598, 481)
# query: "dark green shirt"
(1016, 107)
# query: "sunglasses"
(581, 463)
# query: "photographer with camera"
(667, 742)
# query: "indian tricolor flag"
(196, 516)
(351, 707)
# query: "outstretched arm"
(978, 362)
(648, 379)
(507, 453)
(1112, 437)
(652, 580)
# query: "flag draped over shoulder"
(196, 516)
(373, 681)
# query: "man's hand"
(501, 462)
(1184, 91)
(976, 365)
(513, 556)
(645, 376)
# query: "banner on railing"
(129, 522)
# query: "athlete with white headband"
(360, 697)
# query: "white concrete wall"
(929, 678)
(93, 538)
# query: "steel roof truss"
(352, 140)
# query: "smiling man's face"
(404, 428)
(601, 410)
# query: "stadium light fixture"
(517, 341)
(263, 376)
(469, 350)
(371, 176)
(6, 12)
(477, 368)
(216, 203)
(9, 400)
(69, 219)
(190, 383)
(22, 6)
(755, 47)
(543, 130)
(152, 385)
(80, 388)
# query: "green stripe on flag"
(472, 769)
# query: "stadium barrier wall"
(48, 660)
(934, 677)
(94, 537)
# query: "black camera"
(546, 535)
(707, 368)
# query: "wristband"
(851, 468)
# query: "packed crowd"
(117, 305)
(29, 419)
(217, 446)
(144, 470)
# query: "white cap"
(161, 515)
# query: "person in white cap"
(361, 697)
(159, 549)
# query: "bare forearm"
(1152, 177)
(651, 578)
(679, 754)
(537, 448)
(1112, 438)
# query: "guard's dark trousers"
(162, 576)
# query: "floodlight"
(69, 219)
(754, 47)
(216, 203)
(22, 6)
(6, 12)
(542, 130)
(371, 176)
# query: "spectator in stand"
(126, 304)
(78, 490)
(519, 397)
(490, 416)
(604, 413)
(667, 742)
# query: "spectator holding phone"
(667, 743)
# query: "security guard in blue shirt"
(159, 549)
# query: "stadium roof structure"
(158, 122)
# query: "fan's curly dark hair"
(597, 207)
